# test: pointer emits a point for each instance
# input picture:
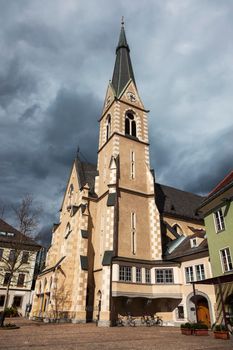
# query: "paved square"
(40, 336)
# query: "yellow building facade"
(109, 254)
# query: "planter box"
(221, 335)
(186, 331)
(201, 332)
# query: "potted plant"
(186, 328)
(200, 329)
(221, 332)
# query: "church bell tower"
(127, 219)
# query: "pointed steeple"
(123, 70)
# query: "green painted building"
(217, 210)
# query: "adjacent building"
(120, 245)
(217, 209)
(17, 264)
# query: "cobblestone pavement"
(41, 336)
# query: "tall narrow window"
(21, 278)
(147, 276)
(12, 256)
(133, 232)
(25, 257)
(219, 220)
(132, 164)
(189, 274)
(138, 274)
(130, 125)
(6, 278)
(200, 272)
(226, 260)
(108, 127)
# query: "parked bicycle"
(156, 321)
(120, 321)
(145, 321)
(131, 321)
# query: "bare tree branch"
(27, 216)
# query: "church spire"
(123, 70)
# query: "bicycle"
(131, 321)
(156, 321)
(120, 321)
(145, 320)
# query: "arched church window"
(70, 194)
(130, 125)
(178, 229)
(108, 127)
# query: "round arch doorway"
(203, 312)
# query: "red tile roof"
(227, 179)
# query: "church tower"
(127, 227)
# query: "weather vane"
(122, 21)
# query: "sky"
(56, 59)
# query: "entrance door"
(203, 314)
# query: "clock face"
(131, 96)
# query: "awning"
(216, 280)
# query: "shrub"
(220, 328)
(186, 325)
(199, 325)
(11, 312)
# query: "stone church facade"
(114, 249)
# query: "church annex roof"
(86, 174)
(175, 202)
(123, 70)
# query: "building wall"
(18, 291)
(222, 239)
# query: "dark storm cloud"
(72, 123)
(15, 81)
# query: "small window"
(147, 276)
(10, 234)
(12, 256)
(1, 253)
(125, 273)
(17, 301)
(193, 242)
(6, 278)
(21, 278)
(130, 125)
(226, 260)
(219, 221)
(2, 233)
(189, 274)
(180, 312)
(25, 257)
(200, 272)
(164, 276)
(2, 299)
(138, 274)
